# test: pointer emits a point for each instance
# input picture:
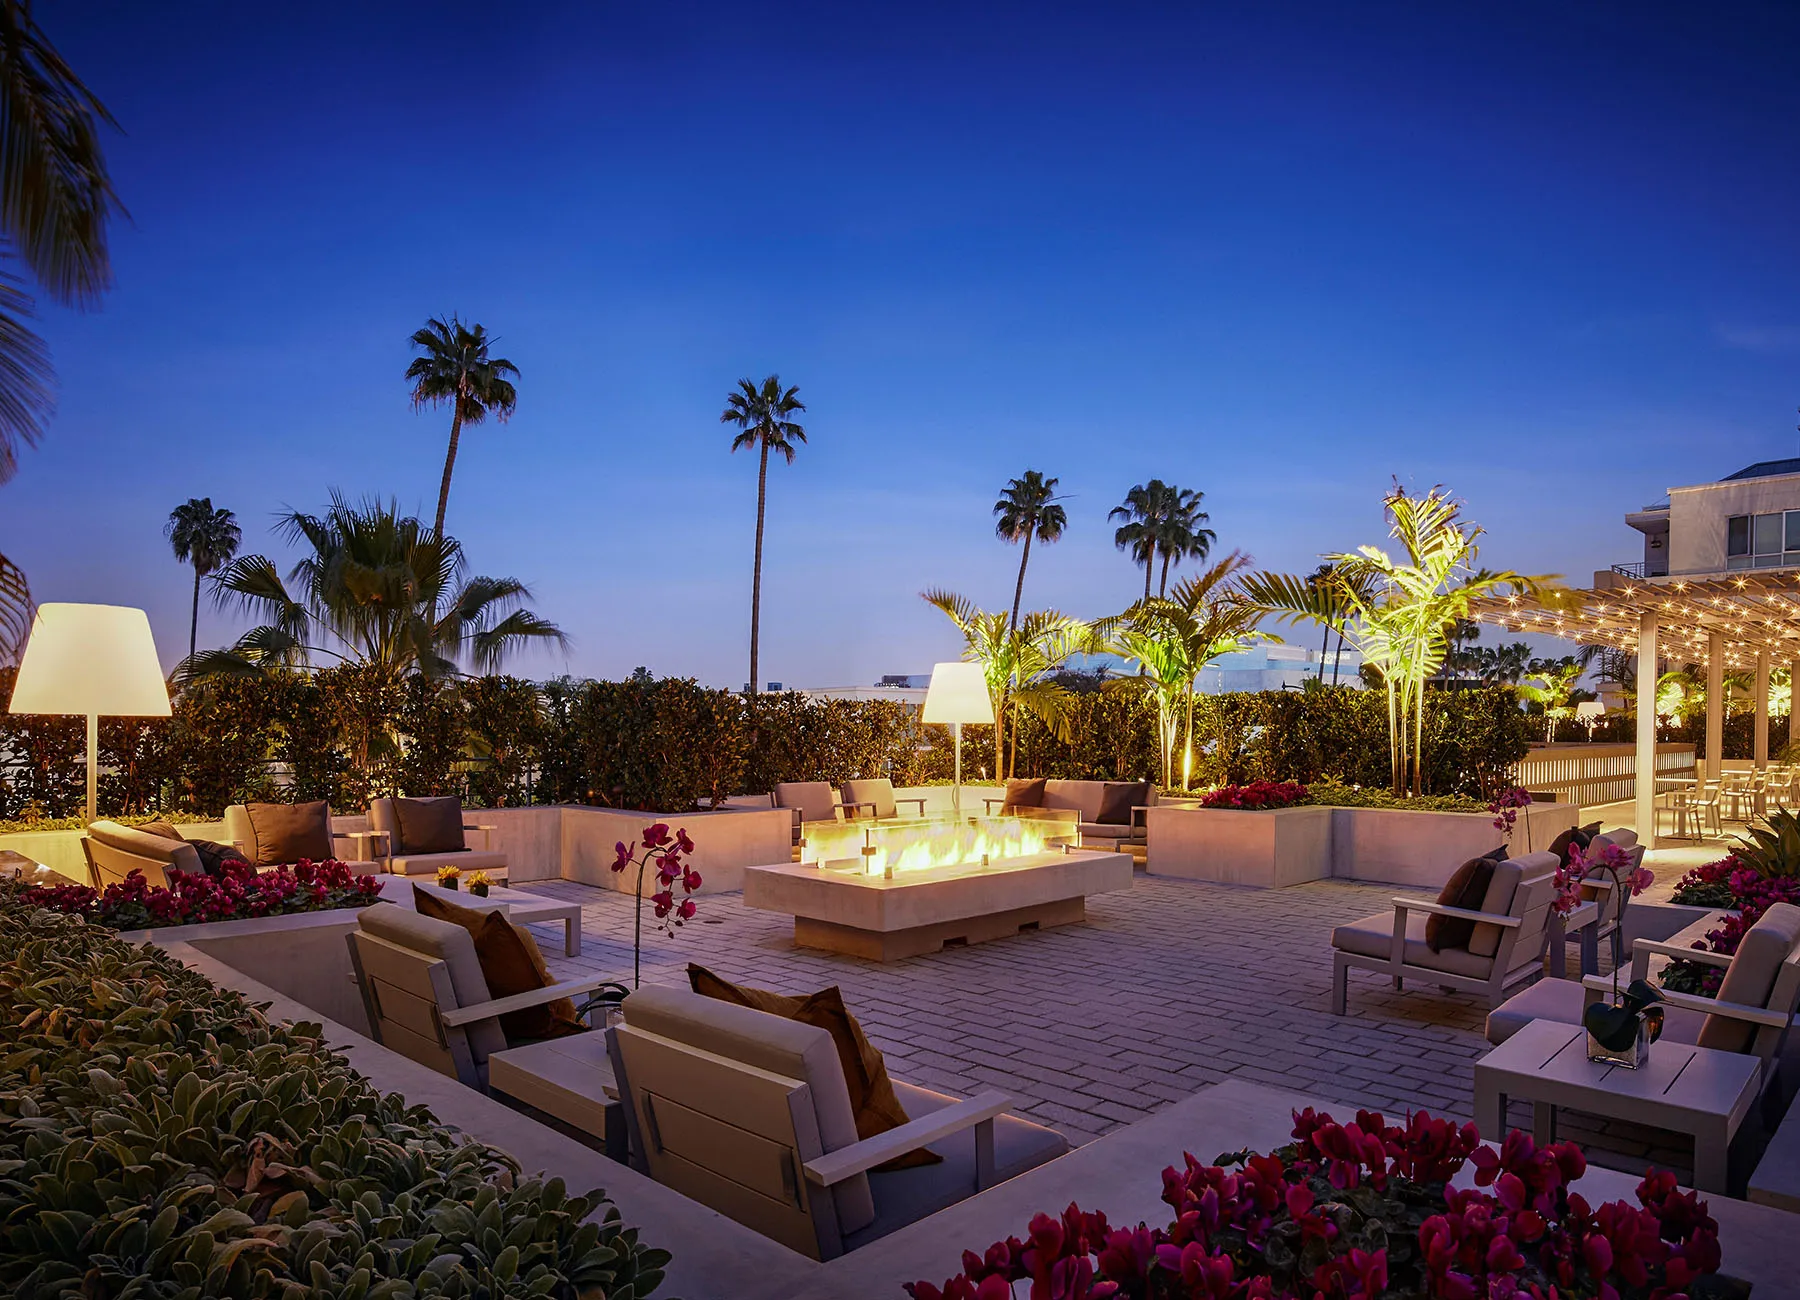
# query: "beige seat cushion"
(426, 864)
(1373, 936)
(1750, 979)
(909, 1195)
(452, 945)
(815, 801)
(879, 792)
(1563, 1001)
(785, 1047)
(1104, 831)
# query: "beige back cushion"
(774, 1043)
(1502, 897)
(879, 791)
(174, 855)
(1751, 978)
(815, 800)
(1083, 796)
(444, 942)
(382, 818)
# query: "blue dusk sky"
(1541, 253)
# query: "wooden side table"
(569, 1079)
(1696, 1091)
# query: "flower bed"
(236, 891)
(1727, 883)
(1257, 794)
(1363, 1210)
(159, 1137)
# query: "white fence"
(1596, 774)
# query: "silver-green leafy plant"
(159, 1137)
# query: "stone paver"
(1167, 988)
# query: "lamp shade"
(91, 659)
(958, 693)
(1590, 711)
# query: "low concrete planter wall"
(1289, 846)
(1234, 846)
(1397, 847)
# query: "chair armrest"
(920, 802)
(1440, 909)
(487, 835)
(859, 803)
(988, 801)
(1706, 1006)
(519, 1001)
(860, 1157)
(1656, 947)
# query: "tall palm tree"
(1143, 511)
(1027, 509)
(208, 539)
(454, 366)
(762, 417)
(55, 201)
(1182, 533)
(372, 587)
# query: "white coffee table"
(1685, 1089)
(518, 905)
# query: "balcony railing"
(1630, 570)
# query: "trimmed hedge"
(159, 1137)
(343, 734)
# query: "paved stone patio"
(1167, 988)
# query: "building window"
(1763, 541)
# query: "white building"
(1747, 520)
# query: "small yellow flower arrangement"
(478, 883)
(447, 877)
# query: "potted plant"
(478, 883)
(1621, 1030)
(666, 852)
(448, 877)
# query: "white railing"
(1596, 774)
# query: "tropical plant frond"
(27, 382)
(16, 611)
(490, 646)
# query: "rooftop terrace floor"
(1169, 987)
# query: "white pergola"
(1746, 621)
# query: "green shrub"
(1335, 794)
(159, 1137)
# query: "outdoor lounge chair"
(241, 831)
(384, 821)
(1754, 1011)
(876, 798)
(1507, 948)
(809, 801)
(748, 1114)
(115, 850)
(1084, 798)
(1597, 915)
(426, 997)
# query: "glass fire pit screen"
(883, 848)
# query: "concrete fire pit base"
(919, 912)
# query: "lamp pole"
(956, 790)
(93, 772)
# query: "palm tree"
(1143, 511)
(1026, 509)
(55, 201)
(454, 366)
(1552, 685)
(1173, 638)
(1181, 533)
(762, 417)
(1020, 663)
(373, 587)
(205, 537)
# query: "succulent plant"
(1772, 849)
(159, 1137)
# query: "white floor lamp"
(958, 694)
(97, 660)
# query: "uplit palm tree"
(373, 587)
(762, 416)
(1018, 664)
(1142, 512)
(1323, 597)
(1027, 509)
(1552, 686)
(454, 366)
(1173, 638)
(55, 201)
(205, 537)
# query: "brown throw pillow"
(1466, 888)
(283, 833)
(429, 826)
(872, 1098)
(1561, 844)
(214, 856)
(510, 963)
(1118, 799)
(1023, 793)
(164, 829)
(1496, 855)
